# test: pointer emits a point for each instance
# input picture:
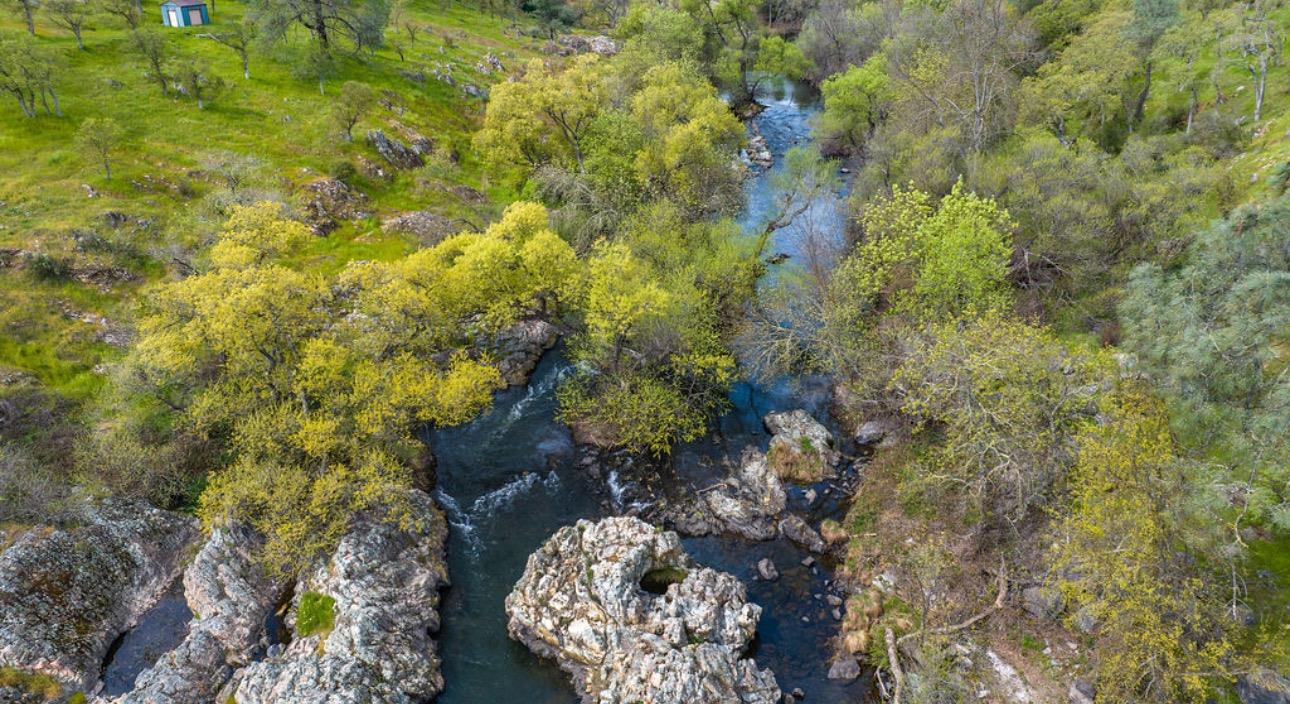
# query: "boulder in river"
(622, 608)
(796, 529)
(519, 347)
(373, 607)
(801, 448)
(66, 593)
(747, 503)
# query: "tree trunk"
(1191, 110)
(320, 28)
(1260, 85)
(107, 168)
(58, 108)
(246, 66)
(1141, 105)
(31, 20)
(76, 30)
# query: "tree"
(239, 38)
(355, 100)
(565, 103)
(127, 10)
(1210, 333)
(70, 14)
(1257, 42)
(361, 23)
(1151, 18)
(28, 8)
(314, 387)
(1128, 560)
(998, 394)
(153, 46)
(99, 139)
(195, 80)
(315, 66)
(856, 102)
(27, 73)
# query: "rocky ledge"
(801, 449)
(622, 608)
(372, 614)
(66, 593)
(231, 598)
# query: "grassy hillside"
(57, 311)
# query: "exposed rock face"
(329, 200)
(67, 593)
(519, 347)
(581, 602)
(385, 581)
(400, 155)
(802, 449)
(1042, 602)
(230, 597)
(579, 44)
(1263, 686)
(746, 504)
(428, 228)
(874, 431)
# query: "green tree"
(855, 103)
(71, 15)
(195, 80)
(99, 138)
(354, 101)
(239, 37)
(155, 50)
(27, 73)
(360, 23)
(1126, 554)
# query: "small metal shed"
(184, 13)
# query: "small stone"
(833, 599)
(798, 693)
(810, 496)
(808, 561)
(766, 569)
(837, 614)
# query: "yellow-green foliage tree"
(1004, 398)
(1128, 563)
(315, 386)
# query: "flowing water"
(513, 477)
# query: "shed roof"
(185, 3)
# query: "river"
(512, 477)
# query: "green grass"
(43, 686)
(315, 615)
(275, 117)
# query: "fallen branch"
(896, 672)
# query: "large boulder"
(801, 448)
(383, 583)
(327, 201)
(622, 608)
(747, 503)
(429, 229)
(231, 597)
(66, 593)
(400, 155)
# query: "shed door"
(194, 16)
(174, 17)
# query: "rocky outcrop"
(384, 579)
(801, 449)
(327, 201)
(429, 229)
(581, 44)
(67, 593)
(230, 597)
(1263, 686)
(519, 347)
(622, 608)
(400, 155)
(758, 149)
